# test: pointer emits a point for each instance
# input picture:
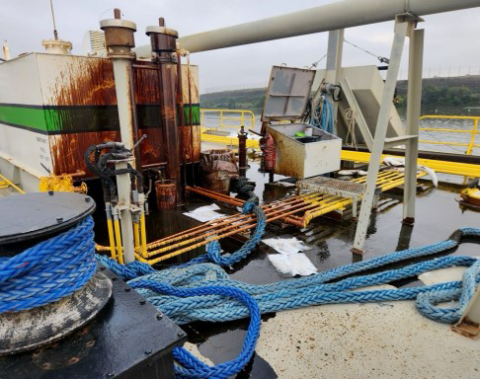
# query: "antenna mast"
(55, 33)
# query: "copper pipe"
(230, 219)
(245, 225)
(292, 203)
(326, 201)
(215, 196)
(215, 238)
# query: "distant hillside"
(446, 95)
(251, 99)
(440, 95)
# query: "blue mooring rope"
(48, 271)
(56, 268)
(164, 289)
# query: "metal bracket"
(469, 323)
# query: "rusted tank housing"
(53, 107)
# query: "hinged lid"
(287, 93)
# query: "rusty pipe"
(216, 196)
(213, 238)
(244, 225)
(214, 224)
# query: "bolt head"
(59, 220)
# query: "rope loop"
(204, 292)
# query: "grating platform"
(332, 186)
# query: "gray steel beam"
(414, 98)
(401, 31)
(339, 15)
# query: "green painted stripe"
(26, 117)
(195, 114)
(79, 119)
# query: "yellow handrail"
(244, 115)
(474, 131)
(11, 184)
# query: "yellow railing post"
(472, 140)
(239, 115)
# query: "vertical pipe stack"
(242, 152)
(164, 43)
(120, 41)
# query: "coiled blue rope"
(295, 293)
(48, 271)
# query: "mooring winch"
(61, 314)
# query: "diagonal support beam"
(401, 31)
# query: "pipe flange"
(118, 23)
(119, 39)
(161, 30)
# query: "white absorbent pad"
(206, 213)
(289, 261)
(291, 265)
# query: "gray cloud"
(451, 39)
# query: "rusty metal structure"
(73, 103)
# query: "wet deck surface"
(337, 341)
(438, 216)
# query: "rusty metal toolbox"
(285, 101)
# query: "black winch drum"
(26, 220)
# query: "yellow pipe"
(454, 168)
(430, 142)
(111, 239)
(143, 235)
(433, 116)
(140, 258)
(136, 235)
(118, 237)
(443, 130)
(10, 183)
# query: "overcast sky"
(451, 39)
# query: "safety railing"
(5, 183)
(473, 132)
(227, 115)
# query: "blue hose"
(324, 120)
